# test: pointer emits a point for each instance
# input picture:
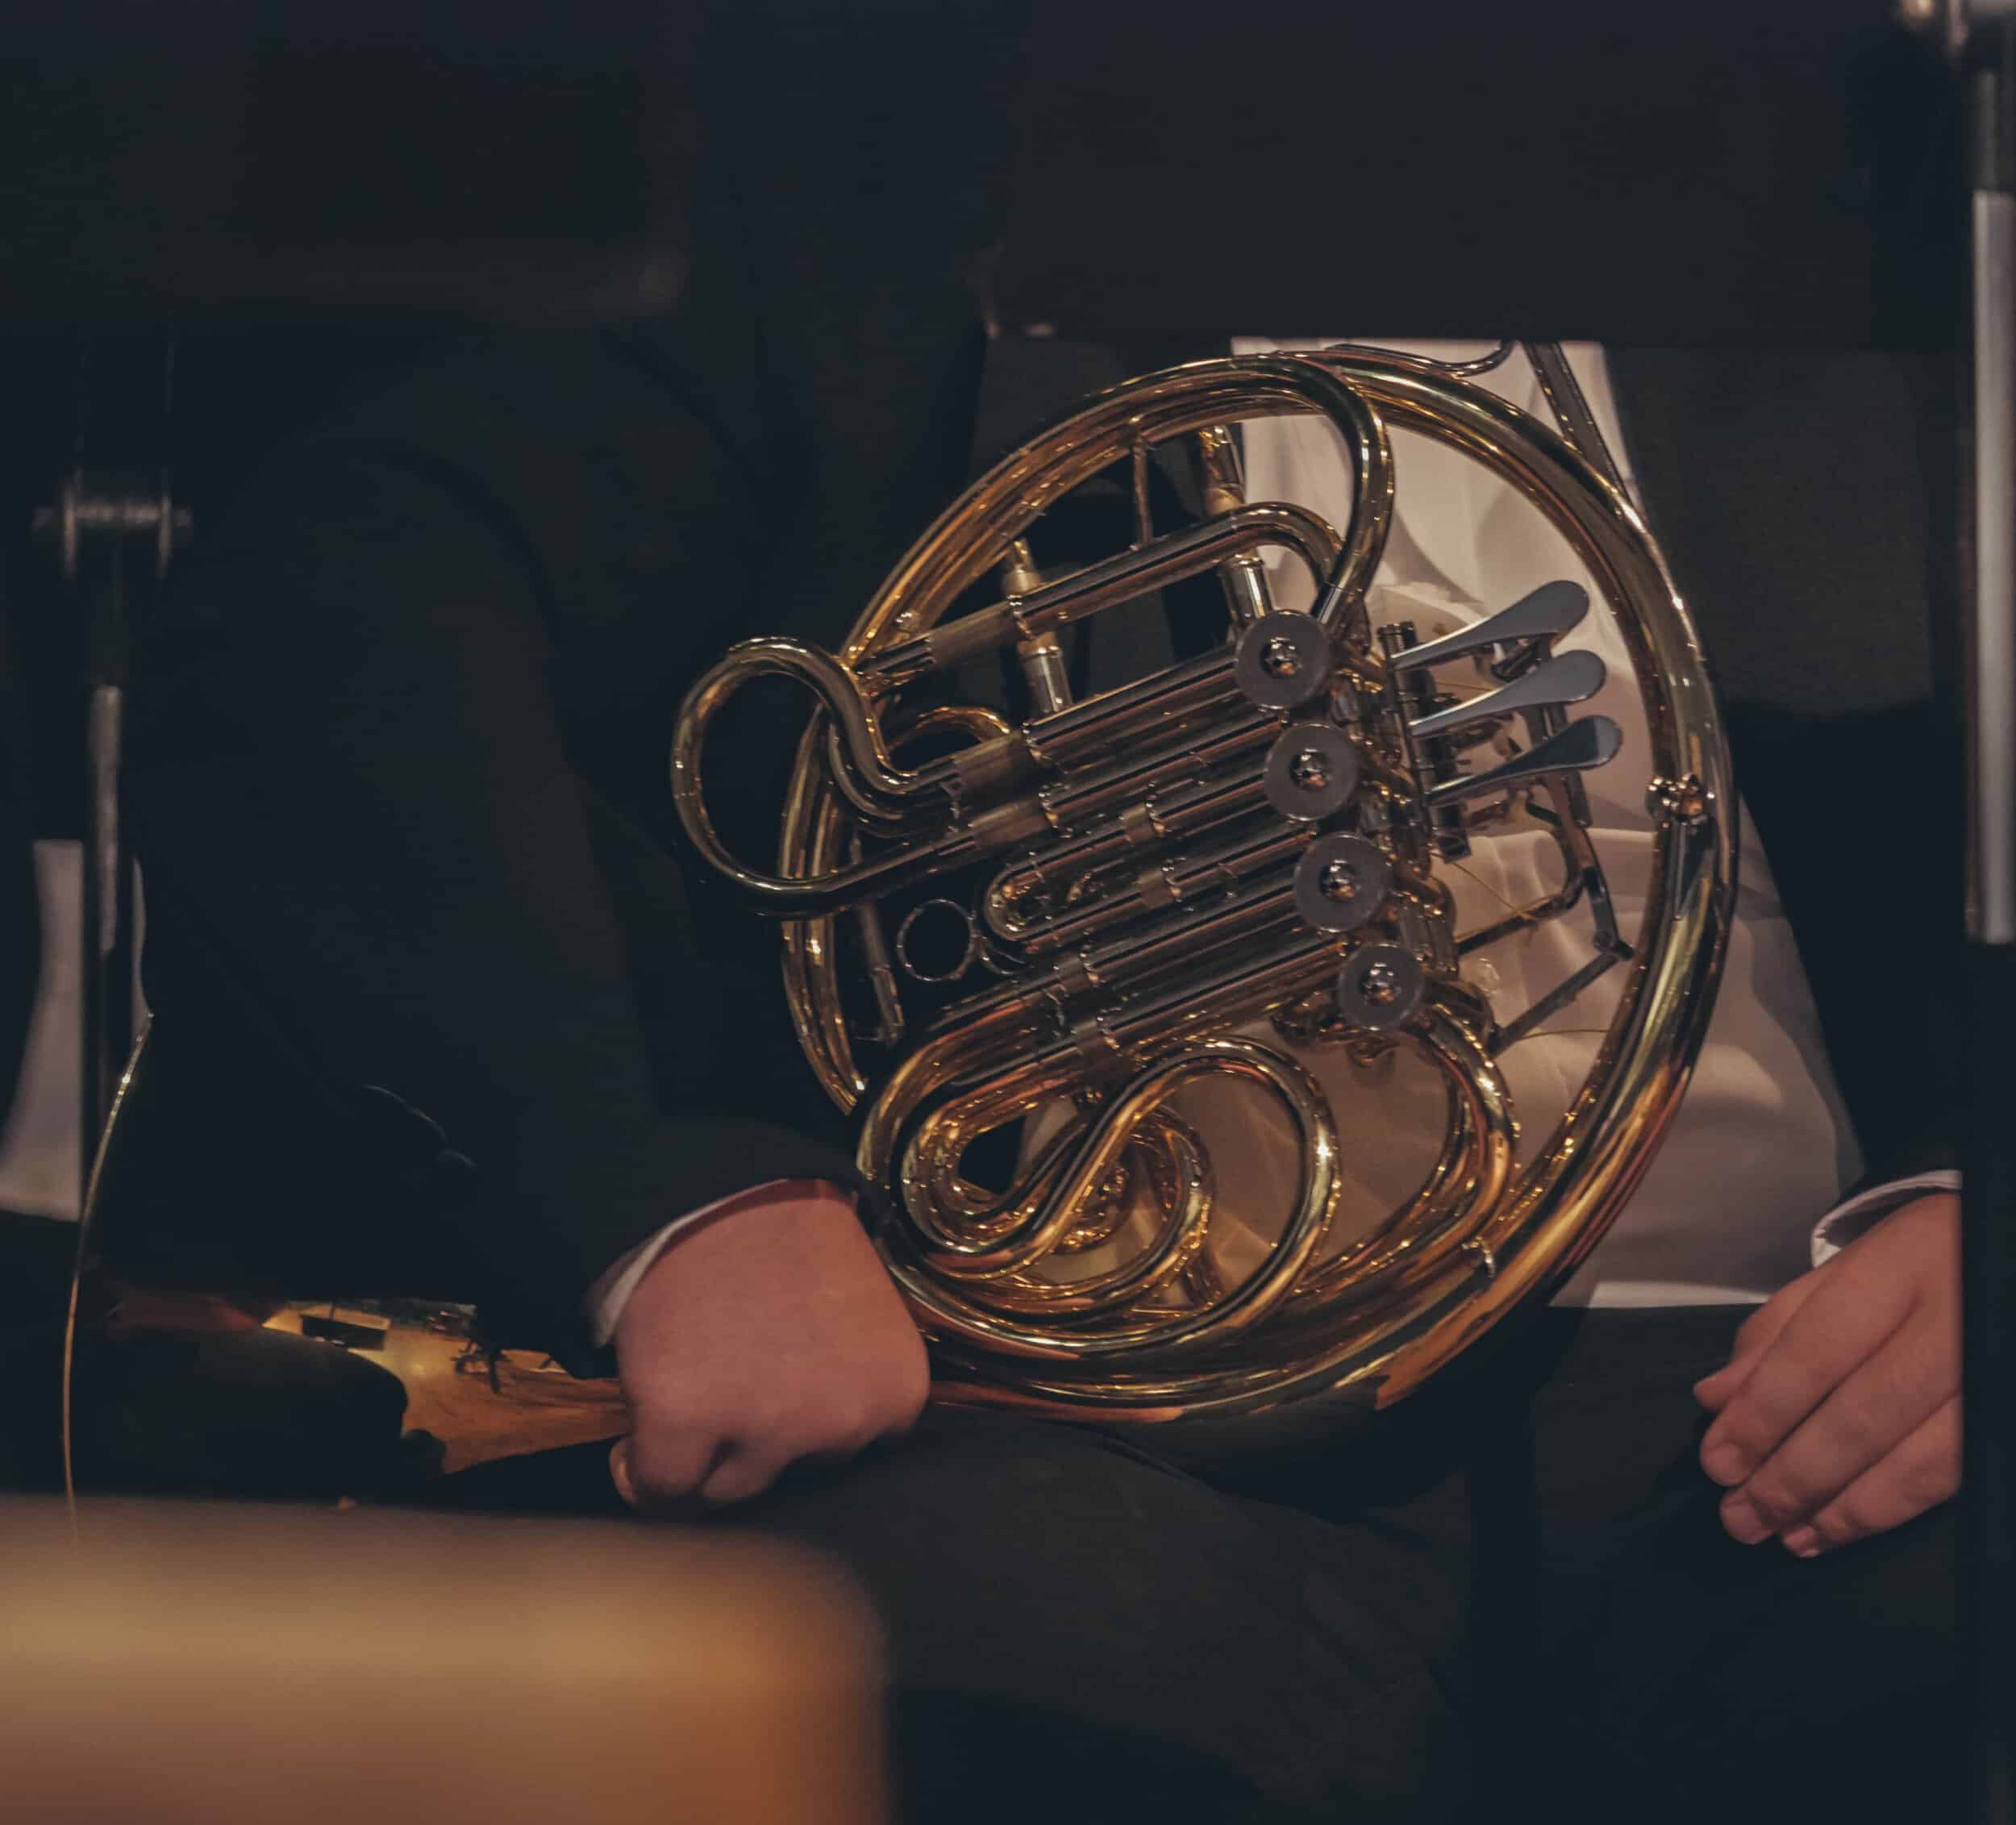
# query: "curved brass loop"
(982, 725)
(1465, 1185)
(1180, 1171)
(959, 1314)
(1473, 368)
(872, 776)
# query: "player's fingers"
(742, 1473)
(659, 1475)
(1879, 1405)
(1920, 1473)
(1844, 1321)
(1756, 1334)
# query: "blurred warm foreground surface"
(180, 1663)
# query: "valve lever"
(1569, 677)
(1553, 608)
(1590, 741)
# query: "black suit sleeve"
(353, 784)
(399, 780)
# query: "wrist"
(617, 1294)
(1856, 1215)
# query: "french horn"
(1020, 951)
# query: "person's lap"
(1758, 1685)
(1077, 1627)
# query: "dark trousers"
(1458, 1613)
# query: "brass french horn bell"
(1134, 883)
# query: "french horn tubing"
(1127, 887)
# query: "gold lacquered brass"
(1139, 905)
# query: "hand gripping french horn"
(1020, 952)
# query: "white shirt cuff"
(607, 1298)
(1845, 1221)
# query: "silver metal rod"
(107, 922)
(1988, 1215)
(1571, 408)
(1993, 697)
(1124, 577)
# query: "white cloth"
(39, 1150)
(1762, 1143)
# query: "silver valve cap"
(1380, 986)
(1284, 662)
(1341, 882)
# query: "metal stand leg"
(107, 899)
(1989, 1220)
(113, 539)
(1979, 35)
